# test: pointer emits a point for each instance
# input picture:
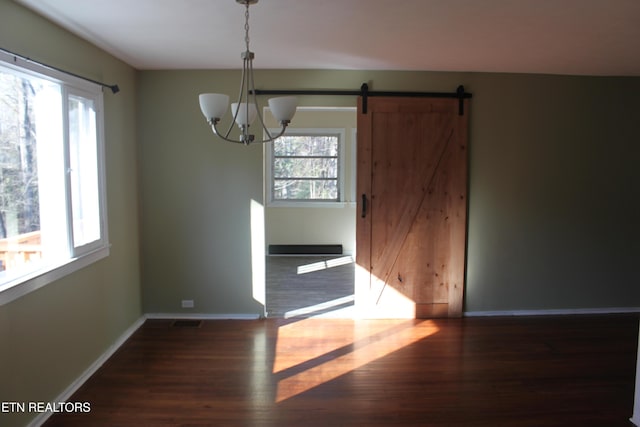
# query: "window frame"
(97, 98)
(269, 169)
(79, 257)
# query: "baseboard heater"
(305, 249)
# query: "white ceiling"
(580, 37)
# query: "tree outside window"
(306, 168)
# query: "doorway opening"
(310, 200)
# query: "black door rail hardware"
(365, 93)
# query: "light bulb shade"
(213, 105)
(241, 117)
(283, 108)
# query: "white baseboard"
(75, 385)
(559, 312)
(204, 316)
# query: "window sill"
(303, 204)
(30, 282)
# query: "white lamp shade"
(213, 105)
(241, 118)
(283, 108)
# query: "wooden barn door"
(412, 206)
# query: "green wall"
(553, 208)
(554, 197)
(49, 337)
(196, 199)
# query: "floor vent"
(186, 323)
(305, 249)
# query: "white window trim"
(341, 132)
(83, 256)
(102, 183)
(37, 279)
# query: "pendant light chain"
(246, 26)
(246, 136)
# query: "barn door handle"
(364, 205)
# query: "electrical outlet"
(187, 303)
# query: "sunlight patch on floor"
(318, 352)
(323, 265)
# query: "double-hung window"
(306, 165)
(52, 195)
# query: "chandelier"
(245, 110)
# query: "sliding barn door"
(412, 206)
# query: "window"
(307, 165)
(52, 200)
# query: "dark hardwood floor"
(535, 371)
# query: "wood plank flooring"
(536, 371)
(308, 286)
